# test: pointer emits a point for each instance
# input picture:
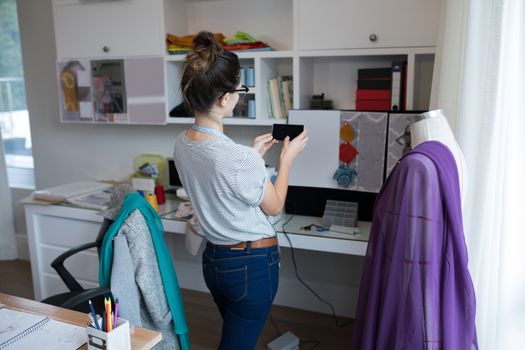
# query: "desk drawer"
(64, 232)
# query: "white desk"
(326, 241)
(54, 229)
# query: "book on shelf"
(372, 105)
(374, 73)
(287, 86)
(273, 94)
(374, 84)
(362, 94)
(395, 100)
(280, 96)
(404, 87)
(381, 89)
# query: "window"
(14, 118)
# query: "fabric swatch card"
(368, 142)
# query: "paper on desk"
(54, 335)
(63, 192)
(31, 331)
(13, 322)
(97, 200)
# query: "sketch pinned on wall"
(398, 138)
(362, 143)
(74, 82)
(109, 93)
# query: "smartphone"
(280, 131)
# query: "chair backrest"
(101, 233)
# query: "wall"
(17, 194)
(69, 152)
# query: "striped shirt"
(225, 182)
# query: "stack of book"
(280, 96)
(381, 89)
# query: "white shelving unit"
(320, 44)
(323, 52)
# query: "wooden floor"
(204, 320)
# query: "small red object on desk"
(159, 192)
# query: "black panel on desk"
(311, 201)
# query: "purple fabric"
(416, 291)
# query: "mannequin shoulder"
(416, 165)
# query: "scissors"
(318, 228)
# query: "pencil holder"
(117, 339)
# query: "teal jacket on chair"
(132, 202)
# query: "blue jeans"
(243, 284)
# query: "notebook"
(94, 200)
(61, 193)
(24, 330)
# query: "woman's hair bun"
(206, 48)
(206, 40)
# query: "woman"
(230, 193)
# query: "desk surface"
(327, 241)
(141, 338)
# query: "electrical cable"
(306, 285)
(279, 333)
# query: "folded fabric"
(194, 234)
(184, 211)
(257, 44)
(186, 41)
(242, 36)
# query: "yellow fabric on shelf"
(186, 41)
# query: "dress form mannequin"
(433, 126)
(416, 291)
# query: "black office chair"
(77, 297)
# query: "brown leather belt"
(262, 243)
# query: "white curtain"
(7, 231)
(482, 86)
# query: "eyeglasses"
(243, 88)
(243, 91)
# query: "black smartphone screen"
(280, 131)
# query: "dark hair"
(209, 72)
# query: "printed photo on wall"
(361, 151)
(74, 89)
(109, 95)
(398, 138)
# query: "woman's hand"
(263, 143)
(292, 148)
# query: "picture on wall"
(361, 150)
(109, 92)
(74, 90)
(398, 138)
